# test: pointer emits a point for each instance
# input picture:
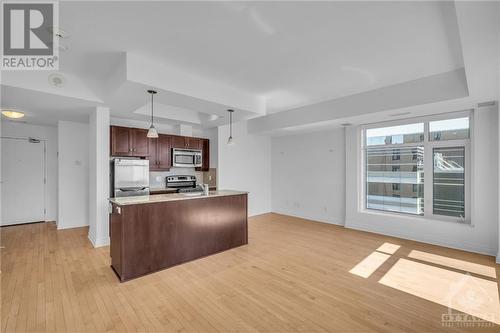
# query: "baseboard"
(469, 248)
(498, 258)
(91, 238)
(104, 241)
(327, 220)
(71, 226)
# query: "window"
(449, 181)
(398, 158)
(389, 170)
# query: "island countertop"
(154, 198)
(154, 232)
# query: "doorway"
(23, 180)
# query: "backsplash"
(157, 178)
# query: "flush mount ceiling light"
(12, 114)
(152, 133)
(230, 140)
(56, 80)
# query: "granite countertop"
(162, 189)
(145, 199)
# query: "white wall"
(481, 236)
(49, 134)
(246, 166)
(308, 176)
(73, 184)
(98, 171)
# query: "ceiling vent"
(486, 104)
(400, 114)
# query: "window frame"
(429, 146)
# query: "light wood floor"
(293, 276)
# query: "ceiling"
(238, 54)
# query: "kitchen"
(153, 228)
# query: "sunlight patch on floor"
(370, 264)
(454, 263)
(388, 248)
(463, 292)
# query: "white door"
(23, 185)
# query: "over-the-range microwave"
(187, 158)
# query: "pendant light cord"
(230, 124)
(152, 96)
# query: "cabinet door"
(140, 142)
(164, 148)
(153, 154)
(178, 141)
(120, 141)
(205, 147)
(193, 143)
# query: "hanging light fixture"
(230, 140)
(152, 133)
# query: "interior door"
(23, 184)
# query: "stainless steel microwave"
(187, 158)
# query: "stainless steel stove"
(183, 184)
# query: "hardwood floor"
(294, 276)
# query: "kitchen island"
(151, 233)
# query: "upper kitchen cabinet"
(185, 142)
(205, 147)
(120, 141)
(140, 142)
(160, 153)
(126, 141)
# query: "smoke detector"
(58, 32)
(56, 80)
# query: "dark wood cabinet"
(160, 153)
(178, 141)
(148, 237)
(193, 143)
(127, 141)
(205, 148)
(120, 141)
(133, 142)
(185, 142)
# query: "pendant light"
(230, 140)
(152, 133)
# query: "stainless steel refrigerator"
(129, 177)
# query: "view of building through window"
(395, 167)
(449, 181)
